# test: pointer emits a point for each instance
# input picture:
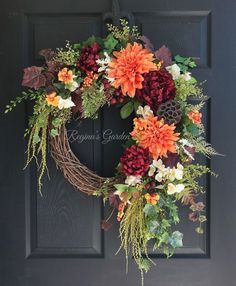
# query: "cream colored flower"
(174, 70)
(172, 189)
(103, 63)
(132, 180)
(186, 76)
(144, 111)
(65, 103)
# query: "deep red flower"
(135, 161)
(113, 95)
(88, 57)
(158, 87)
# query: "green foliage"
(202, 146)
(184, 63)
(67, 56)
(125, 33)
(93, 99)
(133, 234)
(126, 110)
(29, 95)
(176, 239)
(186, 88)
(110, 43)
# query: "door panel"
(56, 239)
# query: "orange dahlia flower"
(195, 116)
(154, 135)
(128, 66)
(65, 75)
(52, 99)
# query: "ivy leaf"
(33, 77)
(89, 41)
(149, 210)
(202, 218)
(110, 43)
(199, 230)
(56, 122)
(176, 239)
(36, 139)
(54, 132)
(179, 59)
(126, 110)
(152, 226)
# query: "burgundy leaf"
(199, 206)
(76, 98)
(114, 200)
(33, 77)
(147, 43)
(48, 54)
(171, 160)
(193, 216)
(54, 67)
(106, 225)
(49, 78)
(164, 54)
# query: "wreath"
(156, 170)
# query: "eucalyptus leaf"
(126, 110)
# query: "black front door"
(56, 239)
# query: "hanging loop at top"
(116, 14)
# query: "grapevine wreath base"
(157, 170)
(81, 177)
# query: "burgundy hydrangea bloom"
(158, 87)
(88, 57)
(135, 161)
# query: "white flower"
(65, 103)
(144, 111)
(174, 70)
(159, 176)
(103, 63)
(172, 189)
(186, 76)
(132, 180)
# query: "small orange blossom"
(195, 116)
(52, 99)
(65, 75)
(152, 199)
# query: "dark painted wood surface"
(56, 239)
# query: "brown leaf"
(147, 43)
(114, 200)
(164, 54)
(76, 98)
(33, 77)
(106, 225)
(48, 54)
(49, 78)
(193, 216)
(199, 206)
